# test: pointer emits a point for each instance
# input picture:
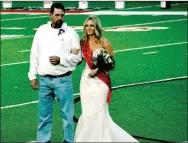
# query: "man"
(55, 52)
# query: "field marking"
(148, 23)
(115, 87)
(149, 6)
(149, 82)
(24, 51)
(148, 47)
(24, 62)
(136, 28)
(12, 28)
(10, 36)
(132, 49)
(116, 51)
(23, 18)
(148, 53)
(111, 13)
(184, 13)
(27, 103)
(17, 37)
(141, 7)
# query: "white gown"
(95, 123)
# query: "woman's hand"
(93, 72)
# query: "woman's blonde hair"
(97, 25)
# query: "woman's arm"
(107, 45)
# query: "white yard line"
(115, 87)
(142, 7)
(116, 51)
(12, 28)
(23, 18)
(148, 23)
(147, 47)
(132, 49)
(19, 37)
(24, 51)
(136, 13)
(18, 105)
(18, 63)
(28, 13)
(27, 103)
(149, 6)
(106, 13)
(148, 53)
(113, 13)
(149, 82)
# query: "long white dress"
(95, 123)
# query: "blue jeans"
(61, 88)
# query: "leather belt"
(56, 76)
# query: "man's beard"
(58, 23)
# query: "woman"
(95, 123)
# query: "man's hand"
(93, 73)
(54, 60)
(34, 84)
(75, 51)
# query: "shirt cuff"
(31, 77)
(62, 61)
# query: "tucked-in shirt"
(59, 42)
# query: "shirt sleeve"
(34, 58)
(71, 60)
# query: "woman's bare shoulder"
(105, 42)
(107, 45)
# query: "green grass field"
(147, 48)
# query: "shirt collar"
(64, 25)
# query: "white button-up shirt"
(48, 42)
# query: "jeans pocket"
(65, 79)
(42, 81)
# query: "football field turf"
(149, 99)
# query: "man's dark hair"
(58, 6)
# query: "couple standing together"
(55, 53)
